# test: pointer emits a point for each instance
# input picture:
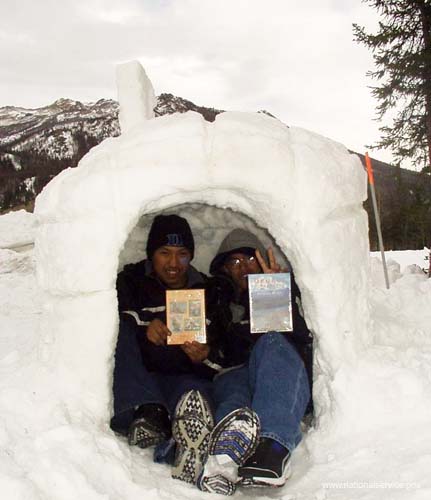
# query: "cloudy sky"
(294, 58)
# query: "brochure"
(270, 302)
(185, 315)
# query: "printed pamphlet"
(270, 302)
(185, 315)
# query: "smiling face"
(171, 264)
(238, 266)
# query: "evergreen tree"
(402, 55)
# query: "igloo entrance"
(209, 224)
(307, 191)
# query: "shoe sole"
(191, 430)
(237, 436)
(217, 484)
(144, 435)
(262, 481)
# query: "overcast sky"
(294, 58)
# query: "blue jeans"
(273, 383)
(134, 385)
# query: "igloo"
(301, 189)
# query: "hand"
(157, 332)
(196, 351)
(273, 267)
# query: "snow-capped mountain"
(36, 144)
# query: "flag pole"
(377, 216)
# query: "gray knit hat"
(237, 241)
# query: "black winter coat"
(141, 299)
(230, 316)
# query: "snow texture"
(17, 230)
(49, 452)
(298, 190)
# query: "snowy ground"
(392, 460)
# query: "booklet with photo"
(185, 315)
(270, 302)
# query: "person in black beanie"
(170, 230)
(153, 381)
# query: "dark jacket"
(230, 311)
(230, 315)
(231, 318)
(141, 299)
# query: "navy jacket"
(141, 299)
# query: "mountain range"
(37, 144)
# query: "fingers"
(157, 338)
(187, 352)
(271, 258)
(157, 332)
(195, 351)
(274, 266)
(193, 347)
(261, 261)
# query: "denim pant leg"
(280, 388)
(174, 386)
(133, 385)
(231, 391)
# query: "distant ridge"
(37, 144)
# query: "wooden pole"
(429, 264)
(377, 216)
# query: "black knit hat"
(170, 230)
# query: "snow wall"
(245, 169)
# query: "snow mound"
(17, 230)
(407, 261)
(252, 165)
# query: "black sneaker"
(191, 430)
(268, 466)
(151, 426)
(232, 441)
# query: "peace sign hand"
(273, 267)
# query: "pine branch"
(401, 51)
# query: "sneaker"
(191, 430)
(151, 426)
(268, 466)
(232, 442)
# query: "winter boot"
(232, 441)
(151, 426)
(268, 466)
(191, 429)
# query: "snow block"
(83, 260)
(305, 190)
(135, 95)
(77, 346)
